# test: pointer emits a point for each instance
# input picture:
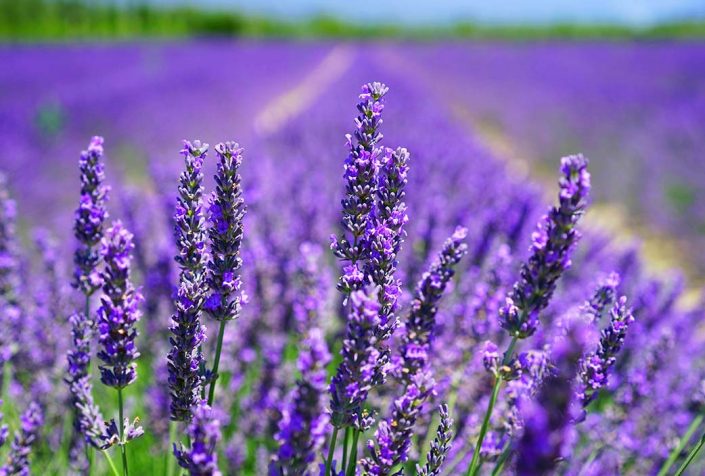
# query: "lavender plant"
(117, 319)
(185, 357)
(31, 422)
(552, 245)
(227, 211)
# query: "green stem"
(331, 450)
(170, 458)
(502, 460)
(691, 456)
(216, 362)
(123, 445)
(353, 454)
(110, 463)
(681, 444)
(89, 448)
(475, 462)
(345, 448)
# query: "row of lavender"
(634, 108)
(390, 379)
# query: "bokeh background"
(622, 82)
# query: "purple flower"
(553, 243)
(187, 331)
(393, 436)
(360, 174)
(201, 457)
(227, 211)
(440, 446)
(119, 310)
(603, 298)
(31, 422)
(90, 217)
(302, 428)
(420, 324)
(594, 367)
(89, 421)
(355, 375)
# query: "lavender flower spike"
(302, 428)
(227, 211)
(31, 422)
(201, 459)
(386, 235)
(440, 445)
(90, 217)
(89, 422)
(548, 431)
(187, 330)
(360, 175)
(420, 323)
(355, 375)
(393, 437)
(594, 368)
(603, 297)
(553, 243)
(119, 310)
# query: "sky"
(430, 12)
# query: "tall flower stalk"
(188, 333)
(440, 446)
(374, 215)
(393, 437)
(117, 320)
(226, 213)
(31, 422)
(90, 217)
(551, 249)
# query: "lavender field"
(380, 264)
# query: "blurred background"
(622, 82)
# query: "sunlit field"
(248, 257)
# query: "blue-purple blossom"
(304, 421)
(440, 446)
(188, 333)
(360, 174)
(90, 218)
(31, 422)
(119, 311)
(89, 422)
(420, 324)
(386, 234)
(603, 297)
(552, 246)
(356, 372)
(595, 367)
(226, 213)
(393, 436)
(200, 458)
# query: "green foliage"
(42, 20)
